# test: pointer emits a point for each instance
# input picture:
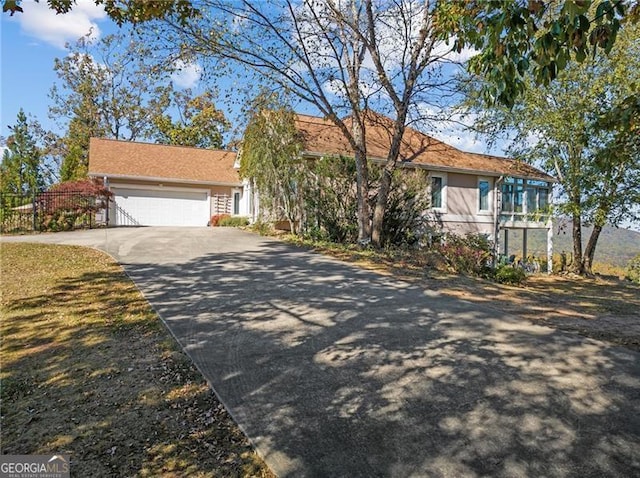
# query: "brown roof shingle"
(321, 136)
(127, 159)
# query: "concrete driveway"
(337, 372)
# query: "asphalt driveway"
(337, 372)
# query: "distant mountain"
(615, 246)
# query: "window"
(236, 203)
(518, 195)
(543, 198)
(483, 190)
(507, 197)
(436, 192)
(532, 204)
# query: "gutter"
(162, 179)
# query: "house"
(182, 186)
(470, 193)
(161, 185)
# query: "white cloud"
(462, 140)
(186, 75)
(452, 128)
(447, 53)
(40, 22)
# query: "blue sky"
(30, 42)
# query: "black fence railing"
(51, 211)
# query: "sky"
(30, 42)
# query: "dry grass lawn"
(88, 369)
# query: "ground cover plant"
(89, 370)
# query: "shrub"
(233, 221)
(469, 254)
(510, 275)
(263, 228)
(633, 269)
(216, 218)
(404, 221)
(332, 206)
(330, 200)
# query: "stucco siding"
(462, 194)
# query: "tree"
(270, 158)
(21, 169)
(200, 123)
(539, 38)
(582, 129)
(106, 91)
(340, 57)
(134, 11)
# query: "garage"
(161, 206)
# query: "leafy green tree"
(106, 90)
(534, 37)
(581, 129)
(200, 123)
(21, 168)
(270, 158)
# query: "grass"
(89, 370)
(605, 308)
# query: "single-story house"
(183, 186)
(161, 185)
(470, 193)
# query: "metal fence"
(51, 211)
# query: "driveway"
(337, 372)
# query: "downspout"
(105, 184)
(496, 221)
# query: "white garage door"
(159, 207)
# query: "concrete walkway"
(337, 372)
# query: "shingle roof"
(321, 136)
(127, 159)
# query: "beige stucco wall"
(469, 227)
(463, 194)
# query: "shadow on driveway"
(335, 371)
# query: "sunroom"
(524, 207)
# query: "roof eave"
(448, 169)
(162, 179)
(497, 174)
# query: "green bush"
(510, 275)
(330, 200)
(404, 222)
(263, 228)
(633, 269)
(233, 221)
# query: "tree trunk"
(590, 250)
(362, 184)
(381, 205)
(577, 267)
(387, 175)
